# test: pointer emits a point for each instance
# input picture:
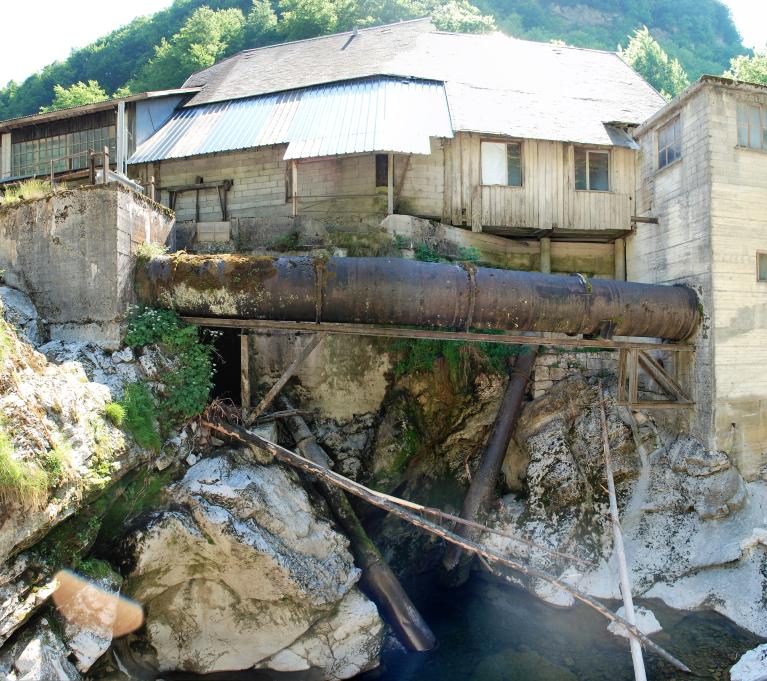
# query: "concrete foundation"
(73, 252)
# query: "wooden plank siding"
(547, 198)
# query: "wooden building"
(527, 140)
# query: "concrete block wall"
(678, 249)
(422, 182)
(73, 253)
(555, 365)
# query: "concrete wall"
(712, 205)
(678, 249)
(73, 253)
(739, 231)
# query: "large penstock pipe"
(408, 292)
(377, 577)
(482, 488)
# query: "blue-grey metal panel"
(382, 114)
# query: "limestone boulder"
(244, 573)
(752, 666)
(37, 655)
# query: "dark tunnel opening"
(226, 381)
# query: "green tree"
(76, 95)
(645, 55)
(751, 69)
(308, 18)
(460, 16)
(204, 38)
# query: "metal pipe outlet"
(407, 292)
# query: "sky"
(61, 26)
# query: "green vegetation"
(751, 69)
(463, 359)
(287, 242)
(96, 569)
(57, 463)
(187, 386)
(19, 480)
(140, 418)
(163, 49)
(648, 59)
(77, 94)
(426, 253)
(114, 412)
(28, 189)
(149, 250)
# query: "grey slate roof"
(494, 84)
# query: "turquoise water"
(490, 631)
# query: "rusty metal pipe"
(408, 292)
(484, 482)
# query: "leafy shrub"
(140, 418)
(287, 242)
(149, 250)
(189, 386)
(114, 412)
(426, 253)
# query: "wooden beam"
(432, 334)
(245, 373)
(658, 374)
(390, 185)
(294, 185)
(286, 375)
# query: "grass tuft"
(114, 412)
(140, 416)
(28, 189)
(19, 481)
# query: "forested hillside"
(159, 51)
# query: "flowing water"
(490, 631)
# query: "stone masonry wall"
(555, 365)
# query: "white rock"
(250, 576)
(646, 622)
(37, 655)
(125, 355)
(192, 459)
(752, 666)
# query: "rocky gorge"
(237, 560)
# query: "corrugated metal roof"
(381, 114)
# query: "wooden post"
(294, 185)
(545, 244)
(105, 179)
(245, 373)
(150, 188)
(390, 185)
(619, 253)
(91, 166)
(628, 602)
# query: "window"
(670, 143)
(752, 126)
(501, 163)
(68, 152)
(761, 266)
(382, 170)
(592, 170)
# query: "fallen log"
(455, 563)
(402, 511)
(377, 577)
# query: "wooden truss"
(630, 361)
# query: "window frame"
(760, 254)
(589, 151)
(505, 141)
(762, 125)
(676, 125)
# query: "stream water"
(490, 631)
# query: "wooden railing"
(499, 206)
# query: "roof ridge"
(248, 50)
